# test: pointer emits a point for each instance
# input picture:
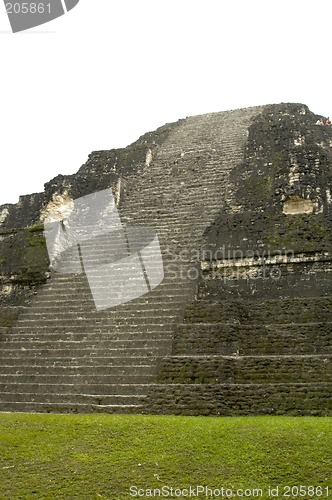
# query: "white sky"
(111, 70)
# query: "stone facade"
(241, 201)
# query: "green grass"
(101, 456)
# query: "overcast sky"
(111, 70)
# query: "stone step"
(90, 335)
(97, 332)
(146, 216)
(91, 318)
(150, 192)
(150, 218)
(70, 311)
(68, 322)
(77, 306)
(79, 283)
(80, 352)
(91, 399)
(48, 301)
(122, 329)
(78, 333)
(78, 379)
(104, 346)
(194, 198)
(78, 298)
(156, 331)
(70, 294)
(89, 361)
(77, 388)
(28, 407)
(88, 309)
(79, 370)
(172, 161)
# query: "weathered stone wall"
(229, 400)
(274, 233)
(244, 370)
(23, 267)
(213, 339)
(301, 275)
(279, 198)
(279, 311)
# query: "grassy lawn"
(102, 456)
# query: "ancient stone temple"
(240, 324)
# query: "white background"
(111, 70)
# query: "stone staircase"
(249, 357)
(63, 355)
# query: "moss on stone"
(8, 316)
(24, 258)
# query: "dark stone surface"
(23, 264)
(281, 138)
(302, 279)
(212, 339)
(272, 311)
(245, 370)
(246, 399)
